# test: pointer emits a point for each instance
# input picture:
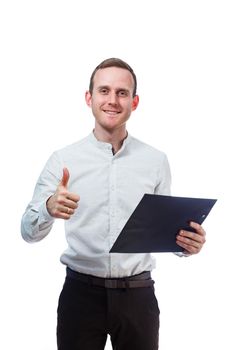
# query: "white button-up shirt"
(110, 187)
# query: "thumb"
(65, 177)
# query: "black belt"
(136, 281)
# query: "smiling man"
(94, 185)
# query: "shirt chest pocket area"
(138, 180)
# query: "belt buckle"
(110, 283)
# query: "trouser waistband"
(136, 281)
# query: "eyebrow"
(103, 87)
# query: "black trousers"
(87, 314)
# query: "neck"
(114, 137)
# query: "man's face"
(112, 98)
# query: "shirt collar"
(106, 145)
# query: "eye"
(122, 93)
(103, 91)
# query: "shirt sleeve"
(164, 185)
(36, 222)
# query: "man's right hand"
(63, 203)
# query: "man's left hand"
(192, 242)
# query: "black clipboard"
(156, 221)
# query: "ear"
(135, 102)
(88, 98)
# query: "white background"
(182, 54)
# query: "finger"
(64, 216)
(68, 210)
(191, 238)
(191, 242)
(62, 213)
(188, 240)
(199, 229)
(71, 204)
(190, 235)
(189, 248)
(73, 197)
(67, 198)
(65, 178)
(200, 232)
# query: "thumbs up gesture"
(63, 203)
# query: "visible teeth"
(111, 112)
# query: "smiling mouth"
(111, 113)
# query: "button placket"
(112, 195)
(112, 212)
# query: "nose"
(112, 98)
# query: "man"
(94, 185)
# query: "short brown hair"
(113, 62)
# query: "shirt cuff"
(44, 215)
(182, 254)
